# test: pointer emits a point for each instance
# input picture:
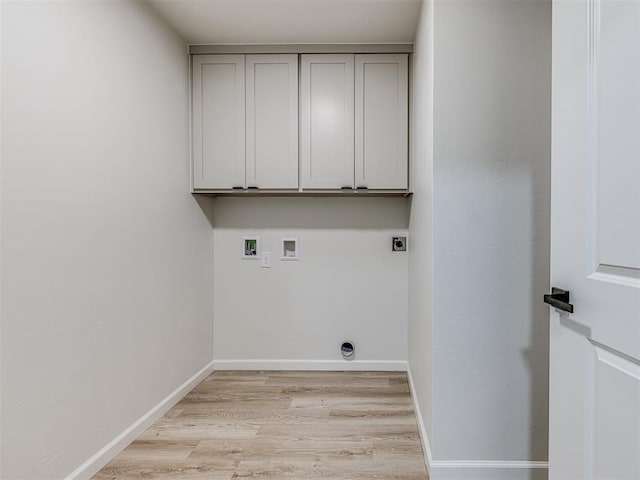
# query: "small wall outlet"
(265, 260)
(399, 244)
(250, 247)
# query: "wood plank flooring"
(282, 425)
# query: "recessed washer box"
(290, 249)
(251, 248)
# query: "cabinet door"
(326, 137)
(218, 121)
(381, 121)
(272, 121)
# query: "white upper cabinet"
(351, 125)
(272, 121)
(327, 121)
(381, 121)
(218, 121)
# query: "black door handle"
(559, 299)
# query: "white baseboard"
(332, 365)
(472, 469)
(480, 470)
(422, 430)
(115, 446)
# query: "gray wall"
(107, 261)
(420, 311)
(347, 285)
(490, 206)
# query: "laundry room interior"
(197, 187)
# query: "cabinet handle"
(362, 187)
(237, 188)
(252, 188)
(346, 188)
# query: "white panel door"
(218, 121)
(326, 137)
(595, 351)
(272, 121)
(381, 121)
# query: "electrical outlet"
(265, 260)
(399, 244)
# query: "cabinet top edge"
(302, 48)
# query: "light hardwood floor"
(289, 425)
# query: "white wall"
(1, 249)
(487, 391)
(107, 261)
(420, 315)
(347, 285)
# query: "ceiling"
(292, 21)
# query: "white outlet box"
(265, 260)
(250, 248)
(290, 249)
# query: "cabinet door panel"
(381, 122)
(218, 121)
(327, 121)
(272, 121)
